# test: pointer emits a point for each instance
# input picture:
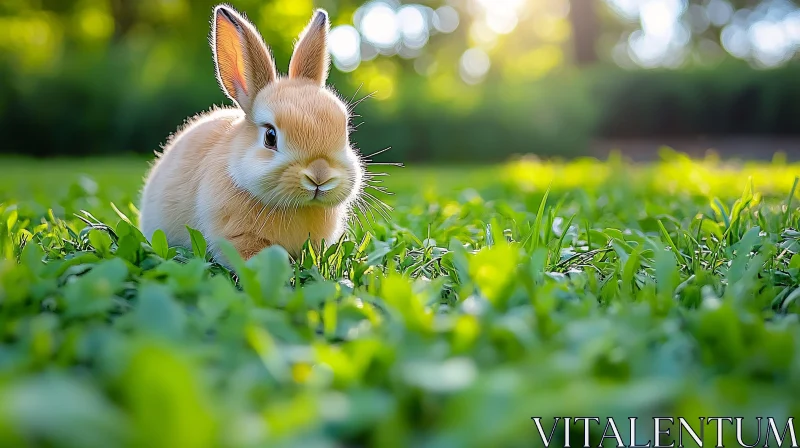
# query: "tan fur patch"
(313, 120)
(310, 59)
(244, 65)
(192, 183)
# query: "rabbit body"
(278, 169)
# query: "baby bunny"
(277, 169)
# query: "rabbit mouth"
(325, 194)
(323, 198)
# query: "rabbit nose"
(319, 176)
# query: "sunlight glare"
(482, 34)
(501, 22)
(475, 64)
(719, 12)
(791, 26)
(413, 26)
(772, 46)
(345, 47)
(735, 41)
(502, 5)
(445, 19)
(658, 17)
(648, 49)
(501, 15)
(663, 35)
(768, 35)
(380, 26)
(627, 9)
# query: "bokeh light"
(388, 28)
(379, 25)
(474, 65)
(719, 12)
(669, 33)
(413, 26)
(501, 16)
(766, 36)
(445, 19)
(345, 47)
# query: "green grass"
(493, 295)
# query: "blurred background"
(453, 80)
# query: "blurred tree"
(125, 17)
(585, 30)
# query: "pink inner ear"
(230, 57)
(238, 78)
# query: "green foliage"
(727, 100)
(585, 289)
(421, 120)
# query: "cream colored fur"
(217, 175)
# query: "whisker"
(382, 210)
(356, 93)
(358, 218)
(397, 164)
(251, 209)
(276, 209)
(387, 206)
(367, 209)
(265, 221)
(353, 105)
(260, 212)
(293, 205)
(296, 206)
(358, 212)
(380, 189)
(266, 204)
(379, 152)
(285, 216)
(382, 213)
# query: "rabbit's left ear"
(310, 59)
(243, 62)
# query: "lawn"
(491, 295)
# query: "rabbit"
(276, 169)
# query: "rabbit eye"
(271, 137)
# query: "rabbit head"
(291, 148)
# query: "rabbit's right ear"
(243, 62)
